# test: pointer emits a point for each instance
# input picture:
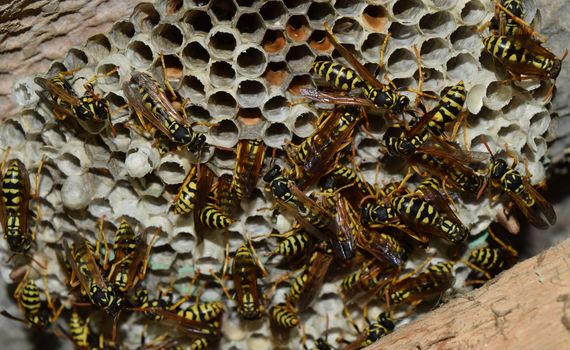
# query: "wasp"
(184, 201)
(294, 244)
(79, 329)
(245, 272)
(213, 217)
(249, 162)
(149, 100)
(367, 280)
(376, 330)
(345, 180)
(435, 280)
(314, 219)
(225, 194)
(284, 316)
(38, 314)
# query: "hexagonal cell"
(462, 67)
(222, 73)
(347, 29)
(442, 4)
(224, 158)
(250, 93)
(409, 12)
(256, 225)
(97, 47)
(173, 69)
(222, 42)
(116, 102)
(298, 28)
(320, 13)
(466, 39)
(434, 52)
(109, 74)
(75, 58)
(198, 22)
(251, 27)
(300, 58)
(276, 134)
(225, 133)
(371, 46)
(121, 33)
(199, 113)
(297, 6)
(222, 105)
(473, 12)
(273, 41)
(167, 37)
(305, 124)
(299, 82)
(439, 24)
(433, 79)
(375, 18)
(403, 36)
(276, 109)
(195, 55)
(246, 3)
(251, 61)
(348, 7)
(193, 88)
(145, 17)
(223, 10)
(402, 61)
(319, 41)
(173, 6)
(273, 12)
(276, 73)
(139, 54)
(498, 95)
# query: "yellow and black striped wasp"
(150, 102)
(381, 327)
(364, 283)
(249, 163)
(246, 270)
(284, 316)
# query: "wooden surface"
(34, 33)
(527, 307)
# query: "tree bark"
(526, 307)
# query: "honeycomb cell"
(305, 124)
(433, 79)
(473, 12)
(403, 36)
(273, 41)
(247, 3)
(223, 10)
(300, 58)
(320, 13)
(167, 37)
(251, 61)
(402, 62)
(222, 105)
(375, 18)
(222, 42)
(97, 47)
(318, 41)
(225, 158)
(198, 3)
(299, 82)
(439, 24)
(250, 93)
(298, 28)
(108, 74)
(173, 6)
(274, 13)
(498, 95)
(141, 159)
(139, 54)
(145, 17)
(371, 47)
(462, 67)
(276, 108)
(195, 55)
(297, 6)
(198, 22)
(276, 73)
(442, 4)
(172, 169)
(121, 33)
(172, 71)
(192, 87)
(76, 192)
(251, 27)
(222, 74)
(197, 112)
(466, 39)
(32, 122)
(368, 150)
(256, 225)
(75, 59)
(434, 52)
(276, 134)
(348, 7)
(409, 11)
(155, 205)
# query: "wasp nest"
(253, 57)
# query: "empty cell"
(443, 4)
(305, 124)
(184, 242)
(300, 58)
(251, 62)
(319, 41)
(172, 68)
(409, 11)
(199, 22)
(498, 95)
(246, 3)
(466, 39)
(171, 171)
(473, 12)
(298, 28)
(249, 116)
(299, 82)
(348, 7)
(222, 43)
(462, 67)
(145, 17)
(167, 37)
(116, 102)
(297, 6)
(371, 47)
(195, 55)
(108, 74)
(276, 73)
(198, 113)
(250, 93)
(439, 24)
(222, 104)
(75, 58)
(121, 33)
(273, 41)
(69, 164)
(276, 135)
(224, 158)
(369, 149)
(433, 79)
(139, 54)
(225, 133)
(402, 61)
(434, 52)
(273, 12)
(250, 26)
(375, 18)
(223, 10)
(276, 109)
(403, 35)
(256, 225)
(222, 74)
(98, 47)
(320, 12)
